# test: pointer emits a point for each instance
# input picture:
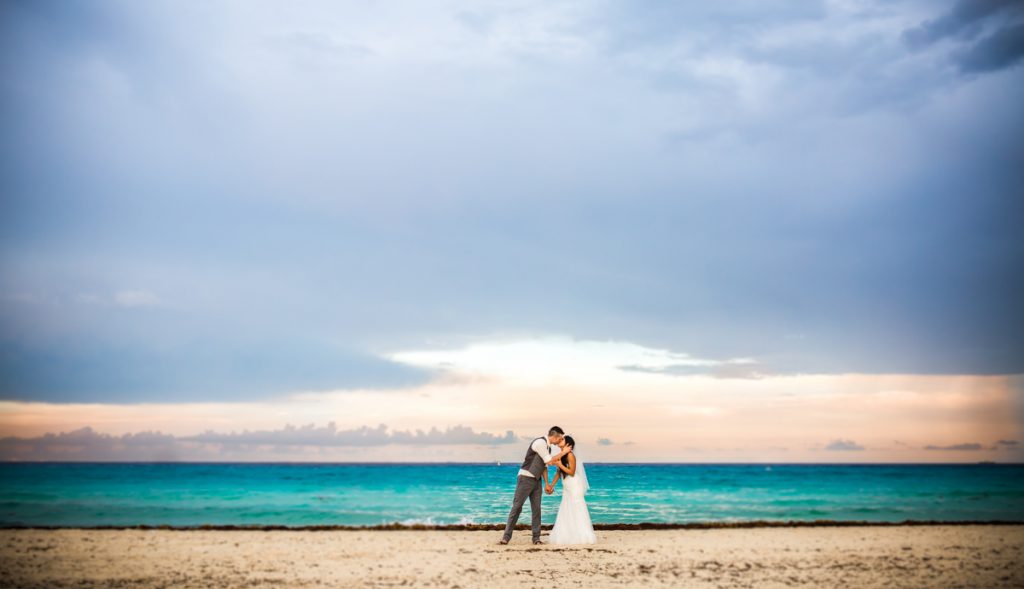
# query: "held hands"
(549, 489)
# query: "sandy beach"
(868, 556)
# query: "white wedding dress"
(572, 524)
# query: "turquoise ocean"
(179, 494)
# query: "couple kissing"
(572, 524)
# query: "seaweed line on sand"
(397, 527)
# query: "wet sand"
(869, 556)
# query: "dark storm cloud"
(966, 23)
(961, 20)
(1001, 49)
(201, 206)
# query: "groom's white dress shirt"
(540, 446)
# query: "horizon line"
(506, 463)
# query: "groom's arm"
(551, 459)
(540, 446)
(549, 487)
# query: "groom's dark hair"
(555, 430)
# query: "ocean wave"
(113, 494)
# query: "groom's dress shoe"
(537, 542)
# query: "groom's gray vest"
(533, 462)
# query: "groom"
(528, 484)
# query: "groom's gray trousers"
(531, 487)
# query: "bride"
(572, 525)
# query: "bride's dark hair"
(572, 444)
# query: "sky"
(755, 231)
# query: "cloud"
(773, 163)
(604, 442)
(329, 435)
(964, 15)
(136, 298)
(965, 21)
(317, 49)
(87, 298)
(999, 50)
(26, 298)
(955, 447)
(88, 444)
(844, 445)
(1012, 445)
(724, 419)
(740, 369)
(535, 359)
(210, 366)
